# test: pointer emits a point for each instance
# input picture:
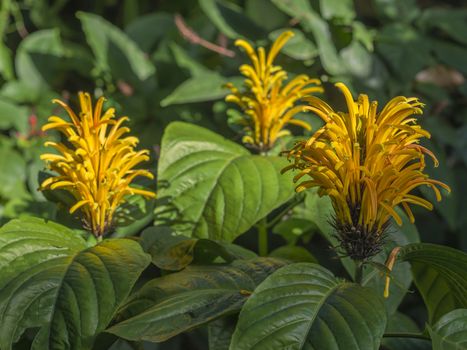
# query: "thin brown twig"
(191, 36)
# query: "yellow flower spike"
(269, 103)
(368, 163)
(97, 165)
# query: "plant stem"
(263, 237)
(406, 335)
(358, 272)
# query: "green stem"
(263, 237)
(99, 239)
(358, 272)
(406, 335)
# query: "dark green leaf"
(113, 49)
(221, 331)
(303, 306)
(174, 252)
(50, 280)
(178, 302)
(450, 332)
(159, 22)
(302, 11)
(293, 254)
(30, 252)
(232, 189)
(440, 274)
(400, 323)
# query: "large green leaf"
(303, 306)
(48, 279)
(450, 332)
(30, 250)
(440, 274)
(113, 49)
(178, 302)
(216, 188)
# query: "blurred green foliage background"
(160, 61)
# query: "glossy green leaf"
(49, 279)
(450, 332)
(113, 49)
(12, 173)
(440, 274)
(178, 302)
(232, 189)
(303, 306)
(30, 251)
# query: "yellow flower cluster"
(367, 162)
(96, 164)
(268, 103)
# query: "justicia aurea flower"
(96, 164)
(368, 163)
(268, 102)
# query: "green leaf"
(302, 11)
(451, 21)
(178, 302)
(30, 250)
(232, 189)
(38, 58)
(12, 172)
(6, 62)
(292, 229)
(298, 47)
(294, 254)
(404, 49)
(340, 9)
(48, 279)
(220, 332)
(13, 116)
(159, 22)
(450, 332)
(397, 10)
(200, 88)
(113, 49)
(401, 273)
(303, 306)
(173, 252)
(440, 274)
(229, 19)
(400, 323)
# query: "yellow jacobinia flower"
(367, 162)
(97, 164)
(268, 103)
